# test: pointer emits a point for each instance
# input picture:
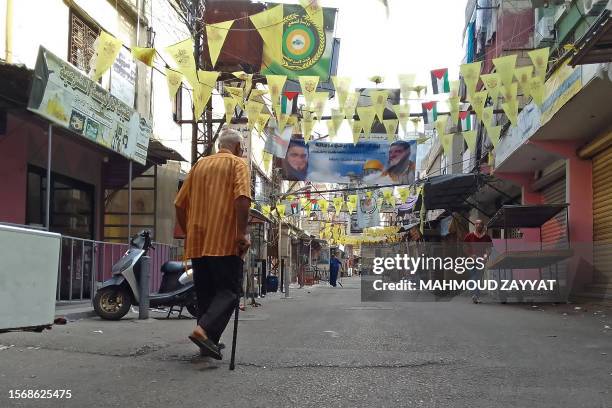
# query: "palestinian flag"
(439, 81)
(430, 113)
(465, 121)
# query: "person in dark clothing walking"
(212, 207)
(334, 266)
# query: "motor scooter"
(117, 294)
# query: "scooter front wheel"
(112, 302)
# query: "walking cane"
(232, 365)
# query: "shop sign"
(67, 97)
(562, 85)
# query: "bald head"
(231, 140)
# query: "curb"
(75, 315)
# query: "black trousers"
(218, 284)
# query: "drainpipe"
(8, 43)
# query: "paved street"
(324, 348)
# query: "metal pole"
(48, 203)
(143, 306)
(288, 274)
(129, 203)
(280, 251)
(196, 53)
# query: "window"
(72, 203)
(81, 41)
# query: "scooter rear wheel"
(112, 302)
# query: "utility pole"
(196, 53)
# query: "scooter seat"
(172, 267)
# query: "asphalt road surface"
(325, 348)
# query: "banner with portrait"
(371, 162)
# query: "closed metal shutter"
(554, 232)
(602, 216)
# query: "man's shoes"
(207, 347)
(475, 299)
(205, 353)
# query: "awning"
(595, 46)
(449, 192)
(525, 216)
(257, 217)
(15, 85)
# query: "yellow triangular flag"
(342, 85)
(492, 83)
(275, 86)
(256, 93)
(201, 96)
(253, 110)
(351, 105)
(453, 107)
(415, 122)
(280, 209)
(505, 68)
(471, 138)
(366, 117)
(478, 101)
(403, 115)
(216, 34)
(229, 104)
(537, 90)
(269, 25)
(509, 93)
(337, 117)
(388, 196)
(338, 203)
(107, 48)
(262, 121)
(174, 79)
(351, 206)
(331, 129)
(440, 125)
(248, 80)
(539, 58)
(487, 116)
(323, 204)
(237, 95)
(356, 128)
(379, 202)
(447, 143)
(309, 87)
(307, 127)
(391, 128)
(471, 73)
(493, 132)
(267, 160)
(265, 209)
(144, 55)
(182, 54)
(454, 88)
(208, 78)
(511, 111)
(281, 119)
(404, 193)
(379, 101)
(523, 76)
(314, 11)
(319, 101)
(406, 82)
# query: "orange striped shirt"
(208, 196)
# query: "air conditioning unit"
(545, 31)
(594, 7)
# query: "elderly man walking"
(212, 207)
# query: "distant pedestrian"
(334, 266)
(212, 207)
(477, 245)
